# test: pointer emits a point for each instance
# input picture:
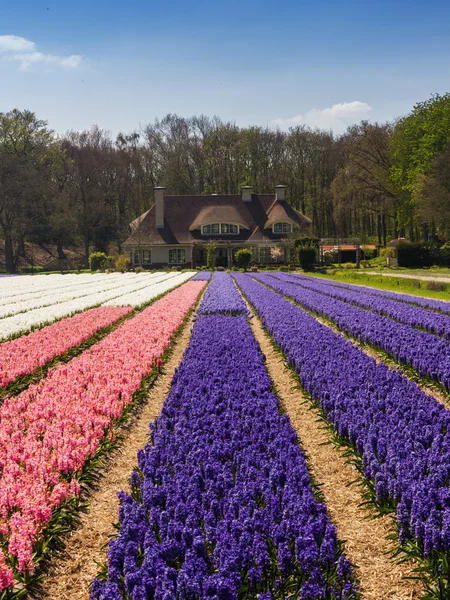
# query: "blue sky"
(322, 63)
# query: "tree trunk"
(60, 249)
(11, 265)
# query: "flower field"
(223, 503)
(425, 352)
(19, 314)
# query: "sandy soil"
(365, 539)
(70, 576)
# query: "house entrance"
(222, 257)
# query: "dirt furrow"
(366, 544)
(70, 576)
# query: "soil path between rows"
(365, 538)
(70, 577)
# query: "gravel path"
(439, 278)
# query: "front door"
(222, 257)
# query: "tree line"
(377, 181)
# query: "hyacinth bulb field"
(223, 498)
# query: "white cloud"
(23, 51)
(334, 117)
(13, 43)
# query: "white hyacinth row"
(144, 295)
(57, 296)
(13, 288)
(12, 296)
(84, 283)
(129, 284)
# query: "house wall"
(160, 254)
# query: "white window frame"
(207, 229)
(144, 261)
(178, 252)
(136, 257)
(285, 227)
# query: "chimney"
(247, 191)
(159, 206)
(280, 191)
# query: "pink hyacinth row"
(49, 431)
(26, 354)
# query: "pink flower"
(53, 427)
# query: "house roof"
(218, 214)
(184, 215)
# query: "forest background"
(375, 182)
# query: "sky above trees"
(279, 63)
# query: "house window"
(136, 257)
(265, 255)
(216, 228)
(282, 228)
(177, 256)
(229, 228)
(213, 228)
(146, 257)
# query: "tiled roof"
(183, 216)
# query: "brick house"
(177, 229)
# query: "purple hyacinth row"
(402, 435)
(427, 353)
(428, 303)
(222, 297)
(407, 314)
(222, 506)
(202, 276)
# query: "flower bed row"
(222, 297)
(24, 355)
(222, 505)
(48, 432)
(158, 286)
(24, 321)
(428, 303)
(414, 316)
(202, 276)
(427, 353)
(401, 434)
(27, 302)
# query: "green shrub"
(243, 258)
(98, 261)
(348, 266)
(418, 255)
(283, 268)
(122, 263)
(307, 257)
(368, 253)
(139, 269)
(306, 241)
(437, 286)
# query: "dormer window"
(220, 228)
(282, 228)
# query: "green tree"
(29, 154)
(417, 140)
